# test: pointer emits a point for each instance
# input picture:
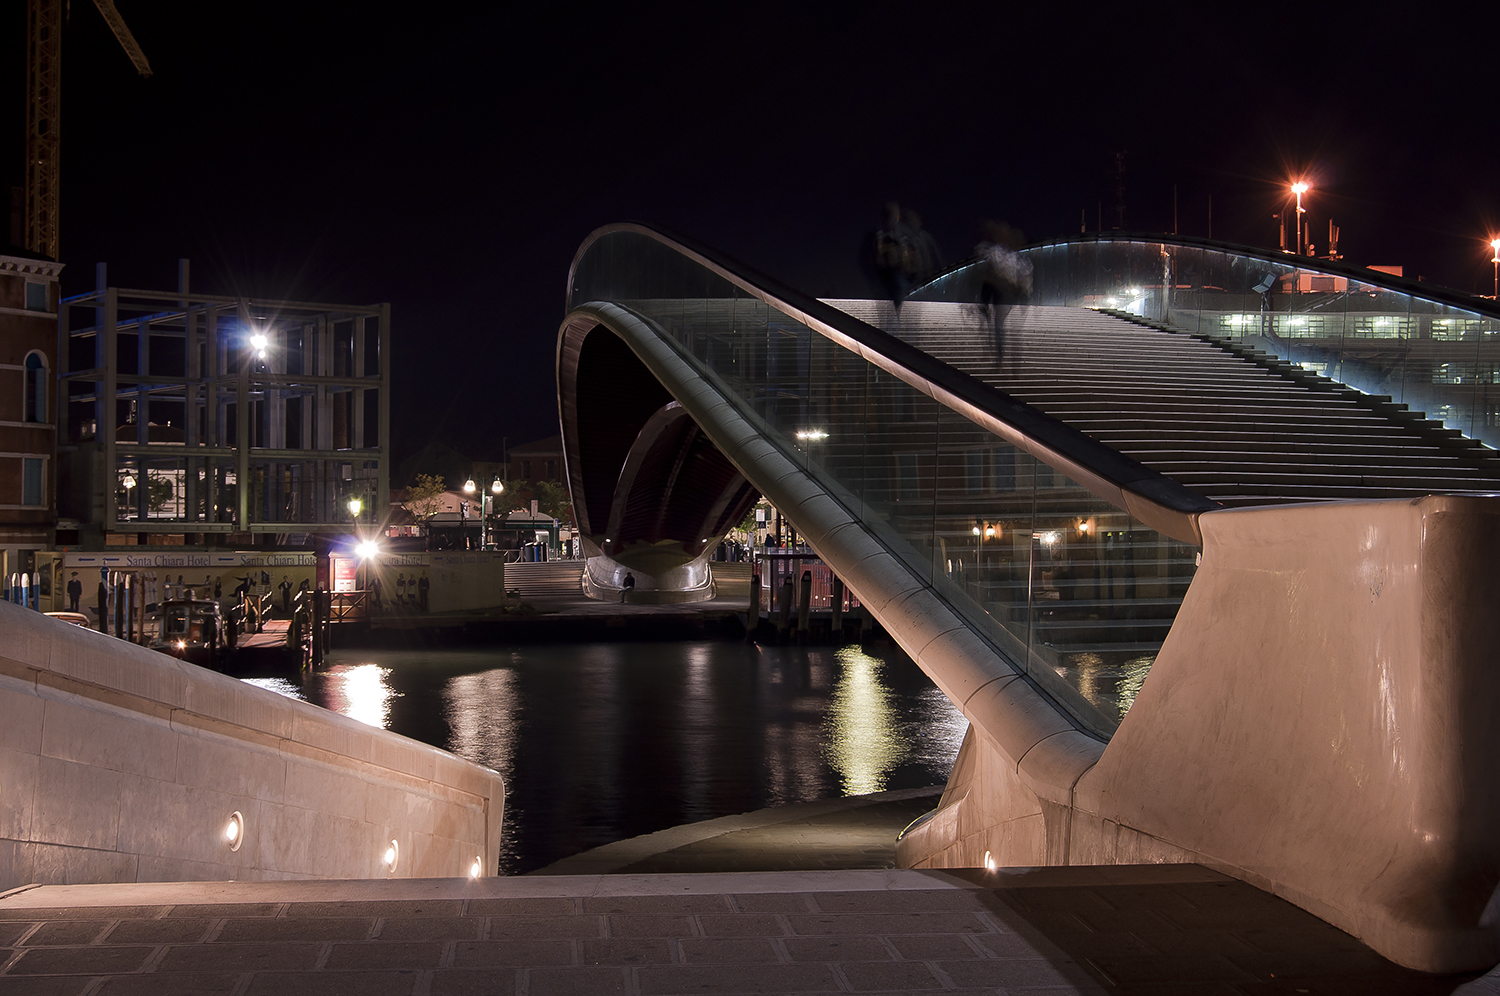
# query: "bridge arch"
(938, 495)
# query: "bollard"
(317, 627)
(804, 607)
(117, 605)
(103, 609)
(784, 615)
(752, 615)
(836, 628)
(25, 589)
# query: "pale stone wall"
(119, 764)
(1323, 722)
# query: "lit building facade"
(194, 419)
(28, 347)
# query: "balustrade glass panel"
(1435, 357)
(1065, 586)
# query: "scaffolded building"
(220, 420)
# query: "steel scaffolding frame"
(183, 368)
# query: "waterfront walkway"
(797, 898)
(1159, 929)
(849, 833)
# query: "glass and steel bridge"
(1046, 487)
(1264, 482)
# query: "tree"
(552, 499)
(160, 492)
(424, 498)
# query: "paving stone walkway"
(1163, 929)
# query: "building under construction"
(194, 419)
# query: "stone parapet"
(119, 764)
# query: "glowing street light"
(1299, 188)
(355, 506)
(128, 483)
(486, 506)
(469, 486)
(1495, 249)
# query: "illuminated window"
(34, 393)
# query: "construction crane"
(44, 20)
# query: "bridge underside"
(652, 494)
(1297, 694)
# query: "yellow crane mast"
(44, 20)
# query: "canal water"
(598, 742)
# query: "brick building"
(28, 412)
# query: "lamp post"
(1299, 188)
(486, 508)
(463, 515)
(128, 483)
(1495, 250)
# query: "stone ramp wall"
(119, 764)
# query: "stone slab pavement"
(1160, 929)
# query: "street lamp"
(463, 515)
(355, 505)
(128, 483)
(1495, 247)
(1299, 188)
(486, 506)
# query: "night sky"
(449, 158)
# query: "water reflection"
(278, 685)
(359, 691)
(1109, 679)
(599, 742)
(862, 742)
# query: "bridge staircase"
(1237, 425)
(546, 579)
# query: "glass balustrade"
(1427, 352)
(1065, 585)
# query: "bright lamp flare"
(1300, 187)
(496, 486)
(475, 868)
(392, 853)
(259, 341)
(355, 505)
(367, 549)
(469, 486)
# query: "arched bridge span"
(1148, 674)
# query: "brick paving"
(1173, 930)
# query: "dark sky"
(449, 158)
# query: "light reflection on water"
(1109, 679)
(278, 685)
(599, 742)
(862, 739)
